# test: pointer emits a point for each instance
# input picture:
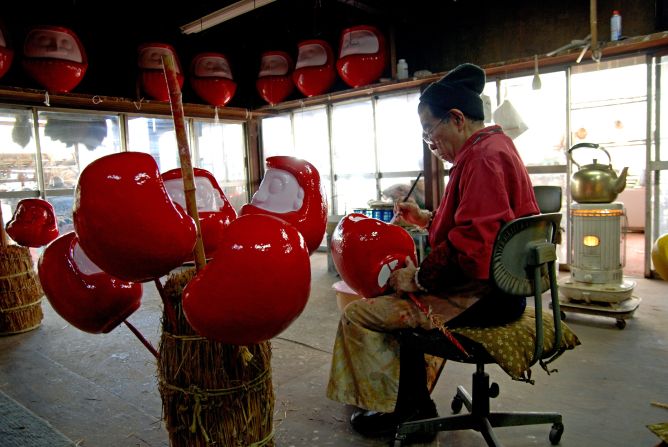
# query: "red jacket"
(488, 186)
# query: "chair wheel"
(457, 404)
(556, 432)
(621, 323)
(562, 314)
(494, 390)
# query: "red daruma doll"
(314, 73)
(55, 58)
(361, 55)
(151, 72)
(211, 78)
(274, 82)
(6, 53)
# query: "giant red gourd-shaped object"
(274, 82)
(125, 220)
(211, 78)
(214, 210)
(365, 251)
(315, 72)
(362, 55)
(88, 298)
(6, 53)
(257, 284)
(291, 189)
(151, 73)
(33, 223)
(55, 58)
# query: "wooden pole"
(184, 154)
(3, 234)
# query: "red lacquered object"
(88, 298)
(257, 284)
(55, 58)
(274, 82)
(33, 223)
(151, 73)
(214, 210)
(315, 72)
(292, 191)
(362, 55)
(211, 78)
(6, 53)
(125, 220)
(365, 251)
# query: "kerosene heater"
(597, 245)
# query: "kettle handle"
(589, 145)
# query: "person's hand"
(410, 213)
(403, 279)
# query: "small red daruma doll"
(6, 53)
(274, 82)
(55, 58)
(315, 72)
(151, 73)
(211, 78)
(362, 56)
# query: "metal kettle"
(596, 182)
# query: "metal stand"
(620, 311)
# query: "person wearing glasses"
(487, 187)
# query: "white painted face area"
(52, 44)
(385, 271)
(150, 58)
(359, 42)
(212, 67)
(311, 55)
(208, 198)
(279, 192)
(83, 262)
(273, 65)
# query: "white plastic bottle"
(615, 26)
(402, 69)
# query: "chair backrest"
(548, 198)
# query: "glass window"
(277, 136)
(399, 133)
(17, 151)
(156, 137)
(221, 150)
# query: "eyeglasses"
(427, 134)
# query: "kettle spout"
(620, 183)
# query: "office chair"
(523, 263)
(548, 198)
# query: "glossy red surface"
(358, 70)
(6, 57)
(275, 89)
(154, 84)
(316, 80)
(257, 284)
(215, 91)
(125, 220)
(33, 223)
(366, 250)
(94, 302)
(311, 219)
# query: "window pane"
(221, 150)
(399, 133)
(17, 151)
(543, 114)
(277, 136)
(156, 137)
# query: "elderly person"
(488, 186)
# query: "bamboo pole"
(184, 154)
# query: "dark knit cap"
(459, 89)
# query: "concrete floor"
(100, 390)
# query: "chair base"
(479, 417)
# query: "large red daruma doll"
(151, 72)
(362, 55)
(291, 190)
(55, 58)
(366, 251)
(88, 298)
(274, 82)
(6, 53)
(33, 223)
(214, 210)
(315, 72)
(211, 78)
(257, 284)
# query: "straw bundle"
(20, 292)
(212, 393)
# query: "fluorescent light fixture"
(222, 15)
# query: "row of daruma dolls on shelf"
(55, 58)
